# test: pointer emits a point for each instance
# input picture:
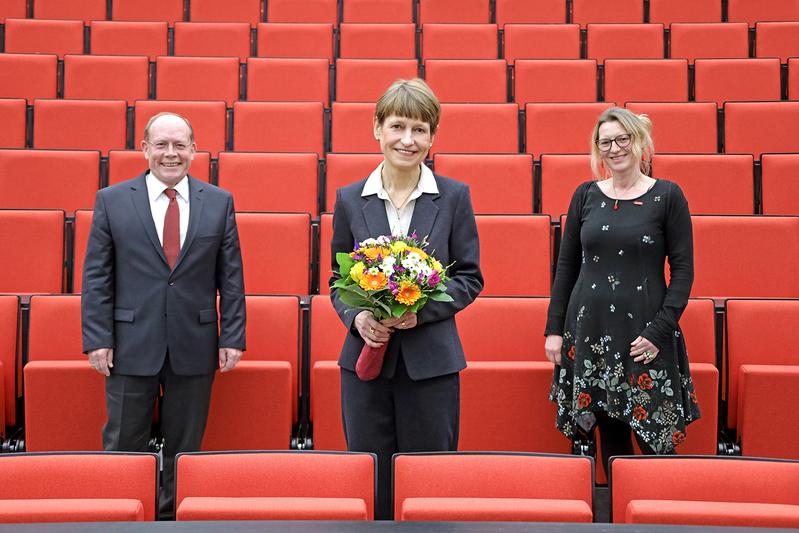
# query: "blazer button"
(171, 283)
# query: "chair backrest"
(698, 327)
(352, 127)
(55, 328)
(325, 259)
(367, 11)
(758, 127)
(560, 177)
(669, 11)
(587, 12)
(9, 330)
(13, 116)
(288, 79)
(646, 80)
(55, 9)
(217, 39)
(279, 127)
(365, 80)
(295, 40)
(624, 41)
(720, 80)
(13, 9)
(530, 11)
(80, 237)
(459, 41)
(468, 80)
(129, 38)
(248, 11)
(499, 124)
(541, 41)
(454, 11)
(561, 128)
(126, 164)
(709, 39)
(373, 41)
(302, 11)
(169, 11)
(197, 78)
(780, 174)
(35, 76)
(681, 127)
(32, 255)
(343, 169)
(107, 77)
(554, 80)
(37, 36)
(752, 11)
(80, 124)
(777, 39)
(208, 119)
(327, 331)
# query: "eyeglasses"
(162, 146)
(622, 141)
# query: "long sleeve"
(230, 283)
(97, 295)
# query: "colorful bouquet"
(388, 276)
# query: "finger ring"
(648, 354)
(371, 330)
(402, 323)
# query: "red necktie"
(172, 228)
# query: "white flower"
(369, 242)
(373, 271)
(387, 265)
(411, 260)
(383, 239)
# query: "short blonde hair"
(164, 114)
(640, 129)
(411, 99)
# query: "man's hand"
(228, 358)
(101, 360)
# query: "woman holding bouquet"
(413, 404)
(612, 329)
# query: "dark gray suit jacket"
(433, 348)
(134, 303)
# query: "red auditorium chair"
(35, 76)
(197, 78)
(498, 125)
(454, 11)
(80, 236)
(279, 127)
(780, 173)
(9, 329)
(554, 80)
(483, 173)
(48, 179)
(38, 36)
(302, 11)
(288, 79)
(343, 169)
(669, 11)
(296, 40)
(459, 41)
(216, 39)
(377, 41)
(541, 41)
(625, 41)
(15, 9)
(646, 80)
(368, 11)
(282, 267)
(761, 127)
(127, 164)
(13, 118)
(527, 12)
(271, 181)
(764, 251)
(273, 485)
(616, 11)
(248, 11)
(721, 80)
(352, 127)
(501, 270)
(560, 176)
(85, 10)
(793, 78)
(33, 251)
(713, 40)
(753, 11)
(80, 124)
(561, 128)
(365, 80)
(468, 80)
(169, 11)
(493, 487)
(681, 127)
(78, 487)
(207, 118)
(705, 491)
(763, 377)
(129, 38)
(714, 184)
(777, 39)
(107, 77)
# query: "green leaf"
(398, 309)
(345, 263)
(343, 283)
(441, 297)
(354, 300)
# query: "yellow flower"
(408, 293)
(373, 282)
(356, 272)
(398, 246)
(437, 266)
(372, 253)
(419, 251)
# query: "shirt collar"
(156, 187)
(374, 183)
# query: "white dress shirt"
(160, 201)
(399, 217)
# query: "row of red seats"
(435, 11)
(544, 128)
(404, 41)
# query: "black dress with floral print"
(609, 288)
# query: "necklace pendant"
(616, 205)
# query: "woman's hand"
(371, 331)
(406, 321)
(553, 345)
(643, 350)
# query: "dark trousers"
(130, 401)
(614, 435)
(392, 415)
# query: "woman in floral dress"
(612, 328)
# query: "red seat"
(396, 11)
(541, 41)
(712, 183)
(482, 172)
(48, 179)
(777, 39)
(35, 76)
(720, 80)
(709, 40)
(129, 38)
(373, 41)
(248, 11)
(197, 78)
(12, 9)
(468, 80)
(343, 169)
(459, 41)
(684, 127)
(626, 41)
(207, 118)
(107, 77)
(499, 124)
(793, 78)
(37, 36)
(169, 11)
(127, 164)
(646, 80)
(493, 486)
(254, 179)
(285, 79)
(33, 251)
(758, 127)
(555, 80)
(618, 11)
(279, 126)
(561, 128)
(365, 80)
(217, 39)
(80, 124)
(753, 11)
(352, 127)
(295, 40)
(9, 327)
(56, 9)
(13, 117)
(780, 174)
(454, 11)
(669, 11)
(526, 11)
(302, 11)
(72, 510)
(560, 176)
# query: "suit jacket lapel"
(195, 215)
(141, 203)
(424, 215)
(374, 211)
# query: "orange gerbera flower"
(373, 282)
(408, 293)
(372, 253)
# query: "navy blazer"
(134, 303)
(432, 348)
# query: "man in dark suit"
(161, 247)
